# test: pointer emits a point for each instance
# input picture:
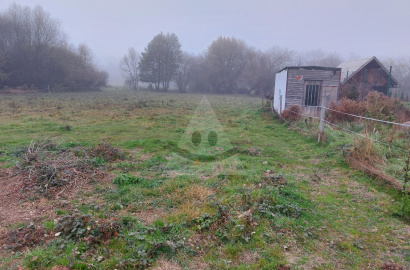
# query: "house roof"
(353, 67)
(310, 68)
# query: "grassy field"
(283, 201)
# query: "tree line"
(34, 51)
(228, 65)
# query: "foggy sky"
(350, 27)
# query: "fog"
(350, 28)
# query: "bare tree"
(227, 59)
(401, 71)
(46, 30)
(261, 67)
(3, 75)
(85, 54)
(184, 72)
(278, 58)
(34, 51)
(129, 68)
(199, 75)
(317, 58)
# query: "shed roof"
(310, 68)
(353, 67)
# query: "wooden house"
(306, 86)
(364, 75)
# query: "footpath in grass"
(281, 202)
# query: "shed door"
(312, 93)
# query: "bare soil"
(14, 206)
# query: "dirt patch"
(198, 263)
(20, 90)
(13, 207)
(315, 161)
(23, 238)
(391, 266)
(150, 215)
(60, 267)
(200, 243)
(140, 155)
(270, 178)
(164, 264)
(283, 267)
(19, 205)
(172, 174)
(249, 257)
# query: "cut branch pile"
(47, 166)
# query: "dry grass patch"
(249, 257)
(197, 192)
(198, 263)
(164, 264)
(193, 193)
(364, 157)
(191, 200)
(189, 210)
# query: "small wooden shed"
(363, 75)
(306, 86)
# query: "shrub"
(292, 113)
(385, 108)
(125, 179)
(107, 152)
(376, 105)
(79, 226)
(346, 106)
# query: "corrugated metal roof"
(352, 67)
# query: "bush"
(376, 105)
(292, 113)
(385, 108)
(346, 106)
(107, 152)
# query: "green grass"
(328, 216)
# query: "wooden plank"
(296, 86)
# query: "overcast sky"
(109, 27)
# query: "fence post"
(280, 103)
(322, 118)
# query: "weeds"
(107, 152)
(125, 179)
(292, 113)
(363, 156)
(405, 200)
(85, 228)
(49, 165)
